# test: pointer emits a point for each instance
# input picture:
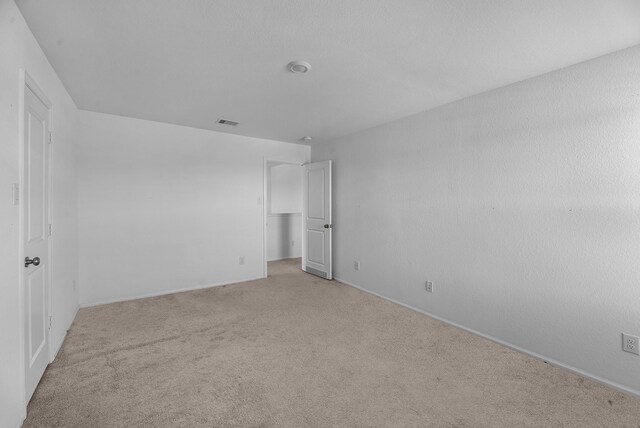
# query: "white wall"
(522, 205)
(285, 189)
(20, 50)
(284, 236)
(165, 207)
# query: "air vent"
(227, 122)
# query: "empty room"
(285, 213)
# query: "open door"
(316, 219)
(35, 236)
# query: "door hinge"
(50, 229)
(50, 137)
(16, 194)
(50, 321)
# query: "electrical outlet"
(241, 260)
(428, 286)
(630, 344)
(356, 265)
(293, 243)
(75, 287)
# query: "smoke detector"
(298, 66)
(305, 139)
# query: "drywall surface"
(165, 207)
(284, 236)
(372, 61)
(285, 189)
(522, 205)
(20, 51)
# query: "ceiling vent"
(227, 122)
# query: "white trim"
(164, 293)
(610, 384)
(52, 318)
(23, 370)
(285, 258)
(284, 215)
(28, 81)
(55, 348)
(265, 171)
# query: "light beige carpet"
(294, 350)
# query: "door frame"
(265, 171)
(28, 83)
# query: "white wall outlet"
(356, 265)
(428, 286)
(630, 344)
(75, 286)
(293, 243)
(241, 260)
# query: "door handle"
(328, 226)
(35, 261)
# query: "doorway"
(283, 212)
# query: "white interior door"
(316, 219)
(35, 239)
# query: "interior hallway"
(296, 350)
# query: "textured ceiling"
(191, 62)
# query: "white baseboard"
(59, 345)
(284, 258)
(164, 293)
(23, 417)
(621, 388)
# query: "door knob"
(327, 226)
(34, 261)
